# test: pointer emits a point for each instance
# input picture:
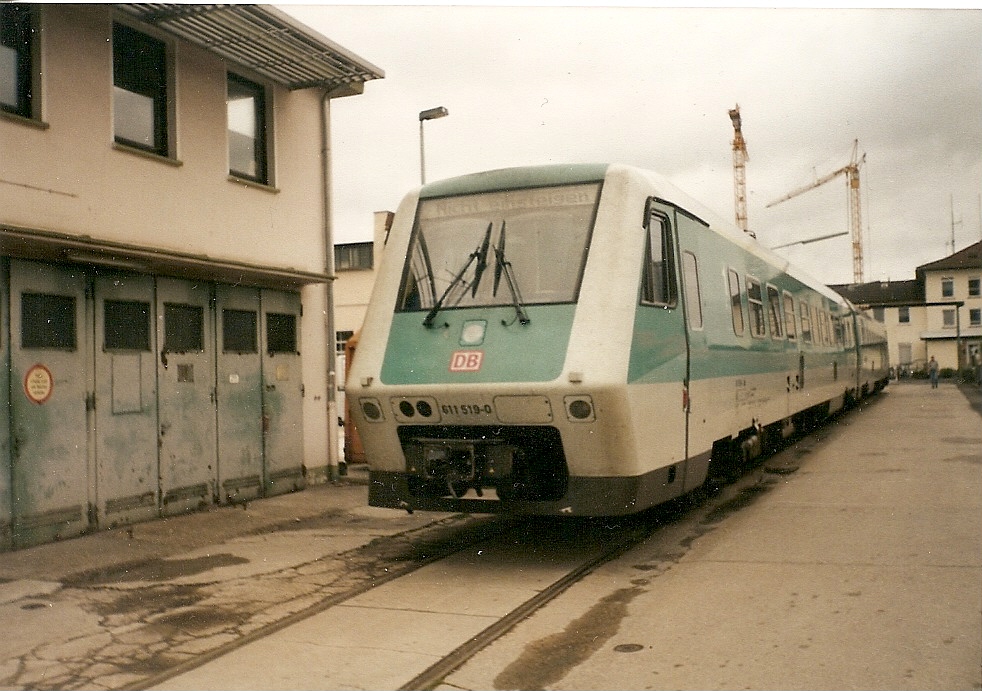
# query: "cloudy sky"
(652, 86)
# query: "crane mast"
(851, 171)
(740, 158)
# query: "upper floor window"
(947, 287)
(17, 60)
(247, 129)
(948, 318)
(350, 257)
(140, 108)
(975, 317)
(903, 315)
(878, 314)
(973, 287)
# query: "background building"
(939, 313)
(165, 302)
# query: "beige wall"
(69, 177)
(66, 176)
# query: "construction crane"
(740, 158)
(851, 171)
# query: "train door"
(125, 399)
(5, 537)
(186, 395)
(240, 394)
(50, 366)
(282, 392)
(659, 358)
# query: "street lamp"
(431, 114)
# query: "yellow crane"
(851, 171)
(740, 158)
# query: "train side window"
(789, 317)
(806, 322)
(126, 325)
(774, 313)
(658, 275)
(755, 301)
(47, 321)
(736, 307)
(693, 297)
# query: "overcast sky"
(652, 86)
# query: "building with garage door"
(165, 260)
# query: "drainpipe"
(330, 330)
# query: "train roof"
(572, 173)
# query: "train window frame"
(693, 292)
(804, 313)
(755, 306)
(437, 269)
(736, 302)
(790, 326)
(775, 313)
(660, 270)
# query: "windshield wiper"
(502, 265)
(480, 254)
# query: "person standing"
(932, 370)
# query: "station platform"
(860, 568)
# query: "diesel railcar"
(587, 340)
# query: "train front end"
(461, 388)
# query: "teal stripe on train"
(507, 352)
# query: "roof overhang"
(263, 39)
(26, 243)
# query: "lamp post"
(431, 114)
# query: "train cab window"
(693, 298)
(47, 321)
(126, 325)
(281, 333)
(806, 322)
(466, 247)
(774, 313)
(736, 307)
(789, 317)
(755, 301)
(657, 278)
(183, 328)
(239, 331)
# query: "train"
(587, 340)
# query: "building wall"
(943, 341)
(64, 175)
(70, 177)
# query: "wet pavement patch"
(547, 660)
(154, 570)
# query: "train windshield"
(512, 247)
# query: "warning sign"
(38, 383)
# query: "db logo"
(466, 361)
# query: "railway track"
(520, 564)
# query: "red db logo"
(466, 361)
